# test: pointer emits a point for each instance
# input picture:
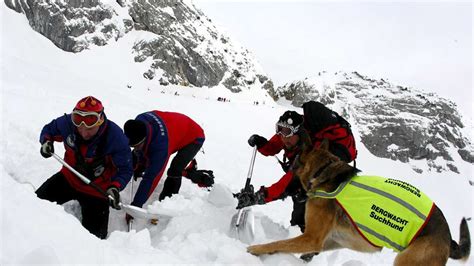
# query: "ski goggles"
(88, 119)
(285, 130)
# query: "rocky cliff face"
(185, 48)
(394, 122)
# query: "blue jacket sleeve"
(158, 159)
(122, 159)
(56, 130)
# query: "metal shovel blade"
(139, 212)
(242, 226)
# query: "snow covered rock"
(394, 122)
(183, 46)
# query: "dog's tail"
(462, 250)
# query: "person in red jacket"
(97, 148)
(290, 136)
(155, 136)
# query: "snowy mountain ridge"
(395, 122)
(184, 47)
(174, 43)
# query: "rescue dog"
(329, 227)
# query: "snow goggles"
(88, 119)
(285, 130)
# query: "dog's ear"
(324, 145)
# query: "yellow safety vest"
(386, 212)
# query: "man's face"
(87, 133)
(290, 142)
(87, 123)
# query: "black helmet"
(135, 130)
(289, 123)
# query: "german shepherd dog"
(328, 227)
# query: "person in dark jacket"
(290, 137)
(97, 148)
(155, 136)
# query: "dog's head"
(319, 167)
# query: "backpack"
(323, 123)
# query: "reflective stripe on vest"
(386, 212)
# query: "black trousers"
(183, 157)
(95, 211)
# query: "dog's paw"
(257, 250)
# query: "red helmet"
(89, 104)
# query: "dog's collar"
(318, 173)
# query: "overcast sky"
(427, 45)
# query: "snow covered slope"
(40, 82)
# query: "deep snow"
(40, 82)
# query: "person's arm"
(275, 191)
(52, 131)
(263, 195)
(122, 160)
(152, 176)
(272, 147)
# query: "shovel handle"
(130, 209)
(82, 177)
(252, 162)
(239, 215)
(247, 183)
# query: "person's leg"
(179, 162)
(183, 157)
(56, 189)
(171, 186)
(297, 215)
(95, 215)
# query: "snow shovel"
(132, 210)
(242, 225)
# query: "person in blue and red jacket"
(97, 148)
(291, 134)
(155, 136)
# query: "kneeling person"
(97, 148)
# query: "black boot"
(308, 256)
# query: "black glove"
(137, 173)
(203, 178)
(47, 149)
(256, 140)
(114, 197)
(249, 198)
(300, 196)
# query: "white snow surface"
(40, 82)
